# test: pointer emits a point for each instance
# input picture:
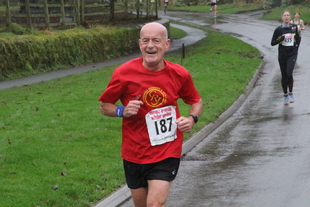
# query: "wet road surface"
(260, 156)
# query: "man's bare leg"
(158, 193)
(153, 196)
(139, 196)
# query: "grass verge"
(276, 14)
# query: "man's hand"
(185, 124)
(132, 108)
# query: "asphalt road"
(260, 156)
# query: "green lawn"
(276, 14)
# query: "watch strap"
(195, 118)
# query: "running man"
(152, 127)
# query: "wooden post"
(8, 16)
(28, 13)
(156, 8)
(82, 21)
(77, 13)
(46, 14)
(63, 14)
(112, 10)
(147, 9)
(183, 53)
(138, 8)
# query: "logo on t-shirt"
(154, 97)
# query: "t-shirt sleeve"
(188, 92)
(113, 91)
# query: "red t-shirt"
(156, 89)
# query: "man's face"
(153, 44)
(286, 17)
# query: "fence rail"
(62, 14)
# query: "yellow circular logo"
(154, 97)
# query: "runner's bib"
(161, 125)
(288, 40)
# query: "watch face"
(195, 118)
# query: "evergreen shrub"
(30, 54)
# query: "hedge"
(34, 54)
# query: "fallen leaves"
(63, 173)
(99, 187)
(55, 187)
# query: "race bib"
(161, 125)
(288, 40)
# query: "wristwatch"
(195, 118)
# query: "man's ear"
(167, 44)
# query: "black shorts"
(137, 175)
(213, 3)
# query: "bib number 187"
(163, 125)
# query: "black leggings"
(287, 64)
